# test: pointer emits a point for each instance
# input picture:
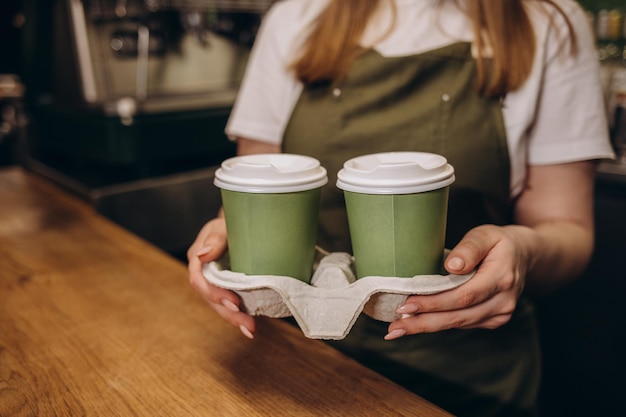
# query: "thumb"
(214, 247)
(470, 251)
(211, 242)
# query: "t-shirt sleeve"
(268, 90)
(570, 122)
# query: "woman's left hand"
(485, 301)
(549, 246)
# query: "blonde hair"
(502, 26)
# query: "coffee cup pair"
(396, 204)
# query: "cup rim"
(390, 190)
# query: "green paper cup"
(271, 204)
(397, 206)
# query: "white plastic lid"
(270, 173)
(395, 173)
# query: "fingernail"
(456, 263)
(395, 334)
(204, 251)
(410, 308)
(230, 305)
(246, 332)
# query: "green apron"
(426, 103)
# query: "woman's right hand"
(210, 245)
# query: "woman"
(508, 91)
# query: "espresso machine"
(128, 101)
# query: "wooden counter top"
(96, 322)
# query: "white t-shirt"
(558, 115)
